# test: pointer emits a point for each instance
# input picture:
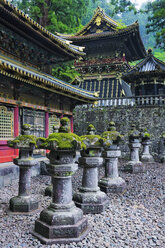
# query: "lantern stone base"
(134, 167)
(59, 224)
(147, 158)
(113, 185)
(23, 204)
(63, 234)
(91, 202)
(49, 190)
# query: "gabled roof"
(18, 71)
(98, 17)
(148, 64)
(20, 21)
(103, 28)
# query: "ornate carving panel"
(14, 44)
(53, 121)
(6, 123)
(36, 119)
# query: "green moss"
(61, 141)
(147, 135)
(93, 139)
(91, 127)
(64, 121)
(31, 139)
(26, 126)
(163, 135)
(112, 135)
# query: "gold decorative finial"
(96, 94)
(81, 49)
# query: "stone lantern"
(111, 182)
(134, 165)
(146, 156)
(62, 221)
(162, 148)
(89, 197)
(26, 143)
(49, 189)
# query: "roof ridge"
(19, 13)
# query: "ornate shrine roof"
(17, 19)
(18, 71)
(107, 87)
(149, 64)
(102, 27)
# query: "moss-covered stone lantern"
(134, 165)
(111, 182)
(26, 143)
(146, 156)
(89, 197)
(49, 188)
(62, 221)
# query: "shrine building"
(147, 77)
(28, 92)
(109, 46)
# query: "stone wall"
(150, 117)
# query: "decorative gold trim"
(20, 71)
(112, 88)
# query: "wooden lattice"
(6, 123)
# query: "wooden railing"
(131, 101)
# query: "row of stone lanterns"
(63, 220)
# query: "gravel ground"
(134, 219)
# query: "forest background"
(69, 16)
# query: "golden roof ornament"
(98, 21)
(96, 94)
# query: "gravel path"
(134, 219)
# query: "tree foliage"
(57, 16)
(156, 21)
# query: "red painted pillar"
(16, 127)
(46, 124)
(16, 121)
(71, 124)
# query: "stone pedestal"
(24, 202)
(134, 165)
(162, 150)
(146, 156)
(62, 221)
(49, 189)
(89, 197)
(112, 183)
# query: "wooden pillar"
(16, 121)
(46, 124)
(143, 90)
(16, 128)
(71, 124)
(155, 89)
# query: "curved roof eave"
(59, 42)
(30, 75)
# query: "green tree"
(57, 16)
(156, 21)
